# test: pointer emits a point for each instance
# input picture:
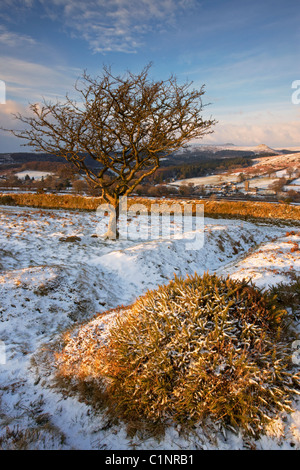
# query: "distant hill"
(193, 154)
(16, 159)
(277, 161)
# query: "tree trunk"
(112, 230)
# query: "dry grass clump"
(204, 348)
(32, 438)
(288, 295)
(7, 200)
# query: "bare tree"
(124, 123)
(278, 184)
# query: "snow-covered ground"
(283, 160)
(48, 284)
(278, 166)
(212, 180)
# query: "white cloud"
(115, 25)
(10, 107)
(29, 81)
(241, 131)
(273, 134)
(9, 143)
(107, 25)
(12, 39)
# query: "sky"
(246, 53)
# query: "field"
(212, 180)
(261, 174)
(56, 274)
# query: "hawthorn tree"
(126, 124)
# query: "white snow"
(213, 180)
(283, 160)
(262, 148)
(48, 286)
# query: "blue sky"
(245, 52)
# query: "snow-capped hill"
(265, 149)
(258, 149)
(280, 160)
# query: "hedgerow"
(247, 210)
(7, 200)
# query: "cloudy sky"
(245, 52)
